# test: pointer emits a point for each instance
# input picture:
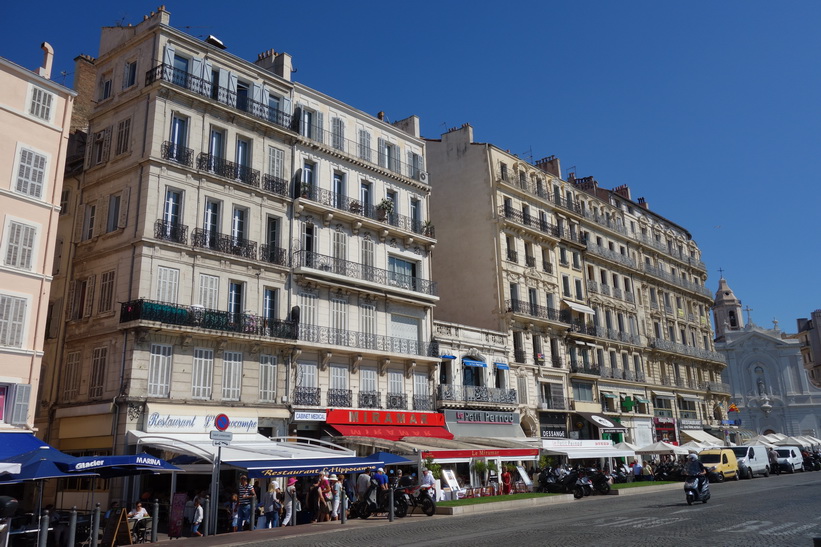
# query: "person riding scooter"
(695, 468)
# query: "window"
(105, 86)
(64, 201)
(71, 376)
(113, 221)
(81, 296)
(401, 273)
(312, 124)
(202, 373)
(339, 318)
(243, 158)
(582, 391)
(231, 375)
(577, 260)
(367, 324)
(40, 105)
(89, 219)
(100, 147)
(307, 375)
(364, 145)
(167, 282)
(389, 155)
(579, 292)
(566, 286)
(211, 222)
(421, 386)
(239, 229)
(414, 165)
(365, 194)
(209, 291)
(123, 136)
(99, 359)
(368, 380)
(130, 74)
(235, 300)
(396, 384)
(106, 303)
(159, 371)
(339, 197)
(19, 406)
(307, 304)
(269, 305)
(339, 377)
(503, 170)
(267, 378)
(216, 146)
(19, 245)
(12, 320)
(31, 172)
(179, 139)
(340, 250)
(308, 169)
(276, 160)
(172, 214)
(338, 133)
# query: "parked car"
(790, 458)
(723, 460)
(752, 460)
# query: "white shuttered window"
(159, 371)
(231, 375)
(202, 374)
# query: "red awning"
(391, 432)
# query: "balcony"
(354, 206)
(547, 266)
(423, 402)
(307, 396)
(370, 399)
(376, 343)
(533, 310)
(212, 92)
(467, 395)
(340, 398)
(530, 261)
(273, 255)
(554, 403)
(675, 280)
(582, 368)
(716, 387)
(170, 231)
(355, 270)
(176, 153)
(673, 347)
(386, 158)
(223, 243)
(512, 256)
(519, 355)
(613, 334)
(276, 185)
(577, 326)
(396, 401)
(519, 217)
(203, 318)
(228, 169)
(612, 256)
(675, 253)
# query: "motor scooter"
(696, 488)
(600, 481)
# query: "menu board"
(177, 514)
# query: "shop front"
(484, 423)
(553, 425)
(664, 430)
(392, 425)
(589, 426)
(693, 430)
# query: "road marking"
(791, 532)
(701, 507)
(637, 522)
(749, 526)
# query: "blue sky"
(709, 110)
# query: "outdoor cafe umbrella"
(662, 448)
(388, 459)
(119, 466)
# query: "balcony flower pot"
(384, 209)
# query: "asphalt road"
(774, 511)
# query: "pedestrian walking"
(196, 519)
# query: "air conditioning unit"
(423, 176)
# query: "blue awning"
(389, 459)
(42, 463)
(119, 466)
(258, 469)
(447, 357)
(472, 363)
(502, 366)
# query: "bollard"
(206, 518)
(254, 510)
(43, 534)
(72, 526)
(95, 525)
(390, 501)
(293, 509)
(343, 518)
(156, 520)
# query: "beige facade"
(602, 300)
(229, 250)
(34, 123)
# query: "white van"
(790, 458)
(752, 460)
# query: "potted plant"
(385, 208)
(480, 467)
(355, 207)
(305, 189)
(427, 228)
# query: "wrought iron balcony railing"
(206, 239)
(370, 399)
(519, 355)
(308, 396)
(228, 169)
(396, 401)
(554, 403)
(212, 91)
(340, 398)
(423, 402)
(275, 185)
(691, 351)
(204, 318)
(581, 368)
(169, 231)
(533, 310)
(363, 340)
(475, 394)
(512, 255)
(530, 221)
(273, 255)
(367, 210)
(675, 280)
(174, 152)
(310, 259)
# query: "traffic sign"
(222, 422)
(225, 436)
(220, 443)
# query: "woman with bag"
(271, 506)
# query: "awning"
(603, 424)
(701, 436)
(581, 308)
(695, 398)
(573, 453)
(472, 363)
(119, 466)
(608, 395)
(447, 357)
(642, 400)
(9, 468)
(391, 432)
(444, 456)
(502, 366)
(281, 468)
(14, 444)
(664, 394)
(41, 463)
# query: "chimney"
(644, 204)
(283, 66)
(623, 191)
(381, 115)
(48, 59)
(550, 165)
(85, 79)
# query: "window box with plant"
(385, 208)
(306, 189)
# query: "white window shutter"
(383, 159)
(123, 220)
(107, 144)
(319, 120)
(196, 67)
(22, 396)
(285, 104)
(232, 88)
(168, 55)
(207, 71)
(89, 295)
(70, 303)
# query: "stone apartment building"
(603, 300)
(810, 337)
(34, 125)
(239, 243)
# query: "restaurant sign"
(481, 417)
(384, 417)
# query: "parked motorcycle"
(601, 482)
(372, 503)
(561, 481)
(695, 491)
(418, 496)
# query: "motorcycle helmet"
(693, 457)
